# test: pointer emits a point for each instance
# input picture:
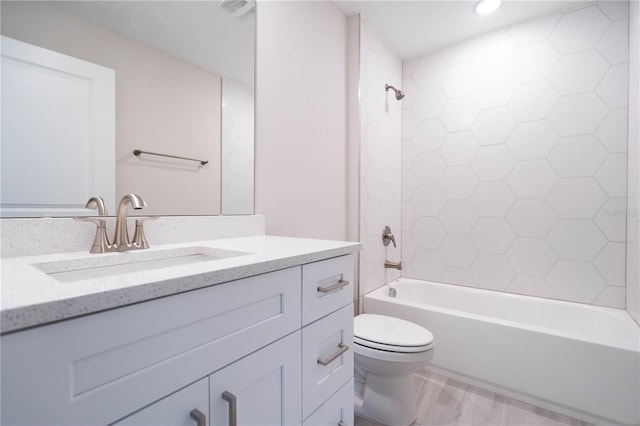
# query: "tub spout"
(393, 265)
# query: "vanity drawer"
(326, 286)
(327, 357)
(102, 367)
(336, 411)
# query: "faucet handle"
(387, 236)
(101, 242)
(139, 239)
(97, 203)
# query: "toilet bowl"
(387, 352)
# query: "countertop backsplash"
(37, 236)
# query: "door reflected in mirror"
(184, 86)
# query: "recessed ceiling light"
(485, 7)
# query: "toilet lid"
(390, 334)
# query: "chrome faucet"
(101, 241)
(121, 240)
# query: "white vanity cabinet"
(238, 349)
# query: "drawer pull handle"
(341, 349)
(335, 287)
(199, 417)
(233, 407)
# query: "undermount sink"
(100, 266)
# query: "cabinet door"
(260, 389)
(337, 411)
(176, 409)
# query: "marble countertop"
(31, 297)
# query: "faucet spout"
(121, 240)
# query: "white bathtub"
(576, 359)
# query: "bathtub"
(575, 359)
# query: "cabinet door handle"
(199, 417)
(233, 407)
(335, 287)
(342, 348)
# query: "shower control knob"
(387, 236)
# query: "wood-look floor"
(444, 401)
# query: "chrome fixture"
(399, 93)
(392, 292)
(137, 153)
(393, 265)
(121, 240)
(387, 236)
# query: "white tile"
(531, 218)
(531, 286)
(492, 199)
(493, 163)
(494, 90)
(577, 198)
(612, 219)
(612, 297)
(577, 156)
(576, 239)
(492, 271)
(458, 251)
(429, 103)
(532, 179)
(409, 215)
(532, 140)
(579, 72)
(459, 114)
(427, 264)
(428, 232)
(579, 30)
(409, 87)
(615, 9)
(460, 79)
(612, 175)
(492, 235)
(493, 127)
(373, 219)
(613, 88)
(429, 71)
(458, 182)
(613, 131)
(533, 101)
(534, 62)
(576, 281)
(578, 114)
(428, 167)
(409, 184)
(611, 263)
(534, 30)
(428, 135)
(461, 52)
(458, 276)
(458, 216)
(409, 123)
(531, 256)
(459, 148)
(614, 45)
(428, 200)
(409, 154)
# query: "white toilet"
(387, 351)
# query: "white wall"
(162, 105)
(633, 208)
(380, 159)
(514, 159)
(301, 118)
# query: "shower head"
(399, 93)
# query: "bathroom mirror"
(184, 85)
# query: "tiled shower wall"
(633, 209)
(380, 158)
(514, 159)
(237, 147)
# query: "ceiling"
(416, 28)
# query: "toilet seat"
(391, 334)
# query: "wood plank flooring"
(444, 401)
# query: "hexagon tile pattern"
(514, 158)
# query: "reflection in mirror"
(183, 86)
